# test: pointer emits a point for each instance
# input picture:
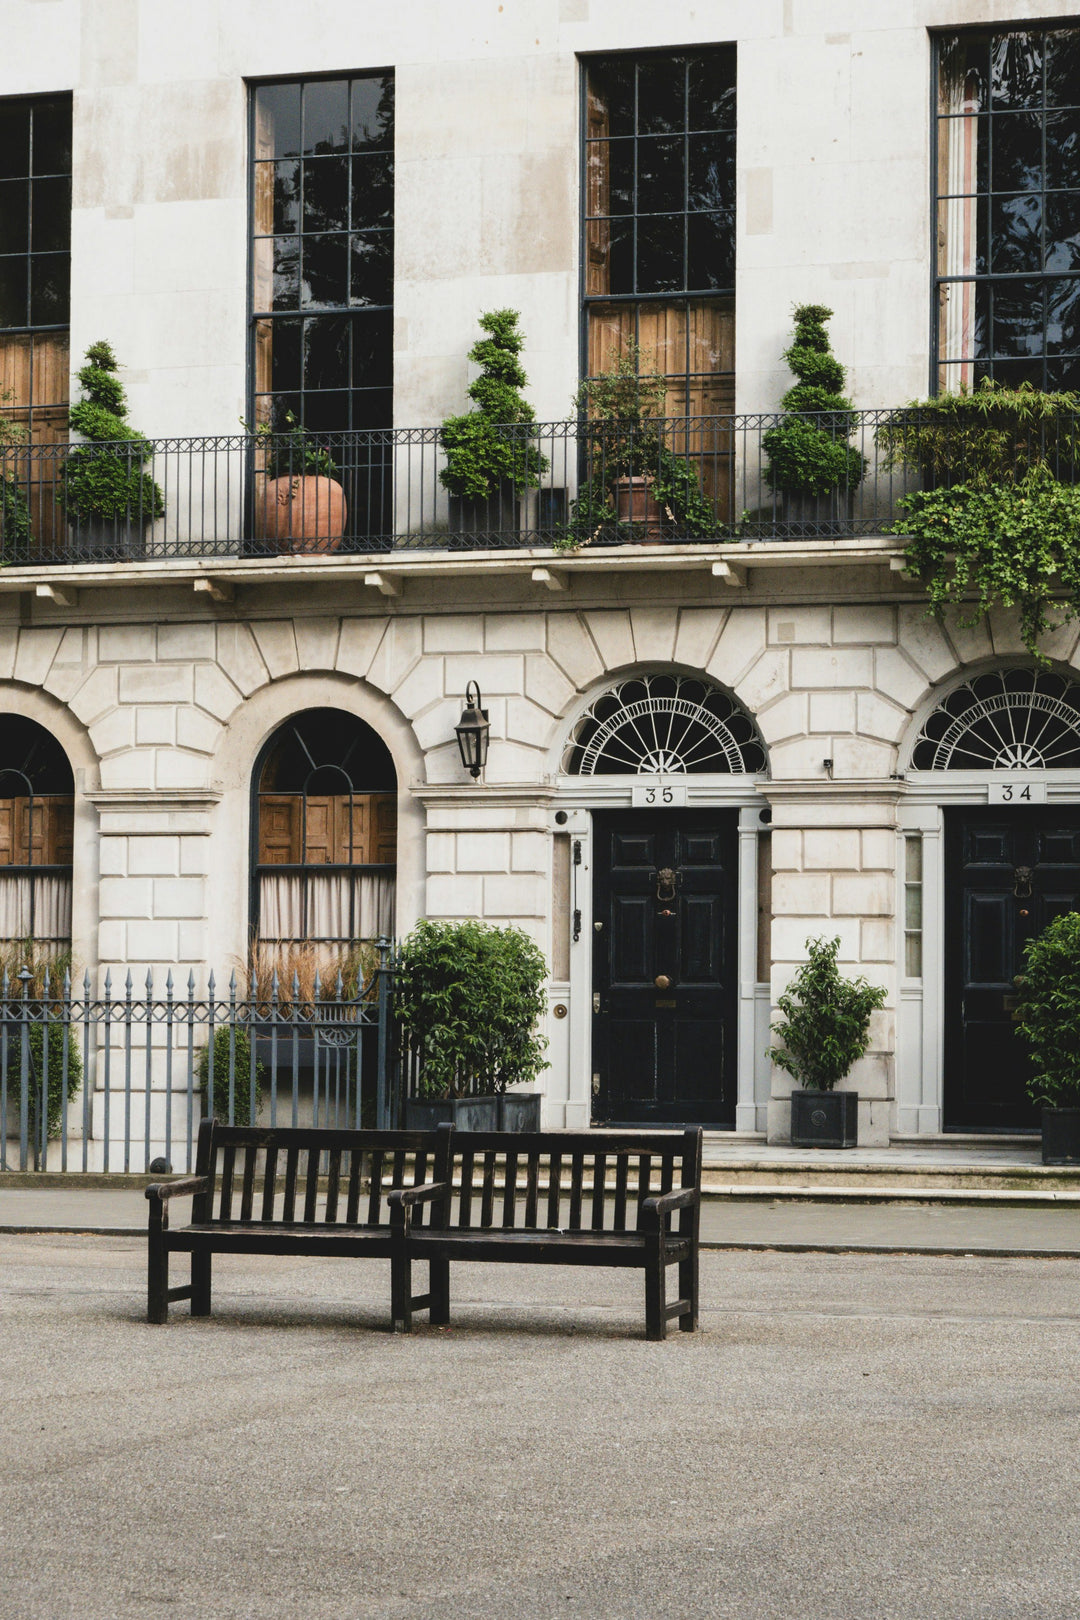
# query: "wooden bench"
(559, 1198)
(304, 1192)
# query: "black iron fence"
(119, 1079)
(706, 478)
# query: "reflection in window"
(36, 821)
(913, 894)
(322, 276)
(1008, 207)
(325, 814)
(659, 244)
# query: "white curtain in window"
(51, 911)
(281, 912)
(957, 226)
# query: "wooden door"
(665, 910)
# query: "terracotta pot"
(636, 506)
(301, 514)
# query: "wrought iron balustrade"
(584, 483)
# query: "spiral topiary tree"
(808, 450)
(486, 448)
(104, 487)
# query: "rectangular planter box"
(827, 1119)
(516, 1111)
(519, 1111)
(1061, 1136)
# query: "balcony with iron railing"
(584, 487)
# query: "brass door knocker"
(665, 883)
(1022, 876)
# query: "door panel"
(1008, 872)
(665, 1052)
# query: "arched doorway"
(664, 751)
(1005, 747)
(36, 829)
(324, 819)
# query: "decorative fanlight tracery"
(653, 725)
(1016, 719)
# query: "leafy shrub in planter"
(1048, 1011)
(620, 413)
(468, 997)
(103, 479)
(248, 1079)
(480, 453)
(808, 450)
(826, 1023)
(991, 436)
(14, 509)
(293, 452)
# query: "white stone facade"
(162, 697)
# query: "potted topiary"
(491, 462)
(299, 503)
(109, 500)
(634, 489)
(1048, 1018)
(812, 468)
(825, 1029)
(468, 997)
(15, 530)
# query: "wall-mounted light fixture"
(472, 731)
(828, 768)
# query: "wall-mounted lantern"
(473, 731)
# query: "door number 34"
(1017, 792)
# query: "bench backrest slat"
(292, 1161)
(228, 1161)
(269, 1183)
(247, 1186)
(465, 1200)
(532, 1189)
(618, 1214)
(577, 1181)
(487, 1197)
(510, 1189)
(333, 1183)
(554, 1190)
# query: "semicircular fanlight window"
(655, 725)
(1004, 720)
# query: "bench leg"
(439, 1285)
(200, 1283)
(401, 1292)
(157, 1278)
(656, 1294)
(688, 1289)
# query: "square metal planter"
(825, 1119)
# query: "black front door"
(1008, 872)
(664, 967)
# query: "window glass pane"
(326, 269)
(1062, 52)
(327, 411)
(610, 251)
(660, 176)
(373, 113)
(285, 363)
(286, 196)
(1016, 70)
(14, 139)
(1063, 232)
(372, 273)
(14, 216)
(611, 83)
(277, 112)
(961, 243)
(1063, 313)
(611, 177)
(913, 851)
(712, 90)
(326, 116)
(13, 286)
(963, 156)
(1018, 318)
(712, 172)
(51, 135)
(326, 352)
(1063, 148)
(326, 194)
(372, 408)
(661, 95)
(660, 244)
(1016, 152)
(1011, 373)
(372, 190)
(1016, 232)
(286, 272)
(373, 355)
(50, 275)
(50, 216)
(710, 251)
(963, 73)
(1063, 375)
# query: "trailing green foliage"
(103, 479)
(468, 996)
(480, 452)
(1016, 545)
(809, 453)
(620, 414)
(991, 436)
(15, 528)
(826, 1023)
(1048, 1011)
(58, 1067)
(292, 452)
(231, 1045)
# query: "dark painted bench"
(302, 1192)
(561, 1198)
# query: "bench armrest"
(178, 1189)
(400, 1201)
(655, 1209)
